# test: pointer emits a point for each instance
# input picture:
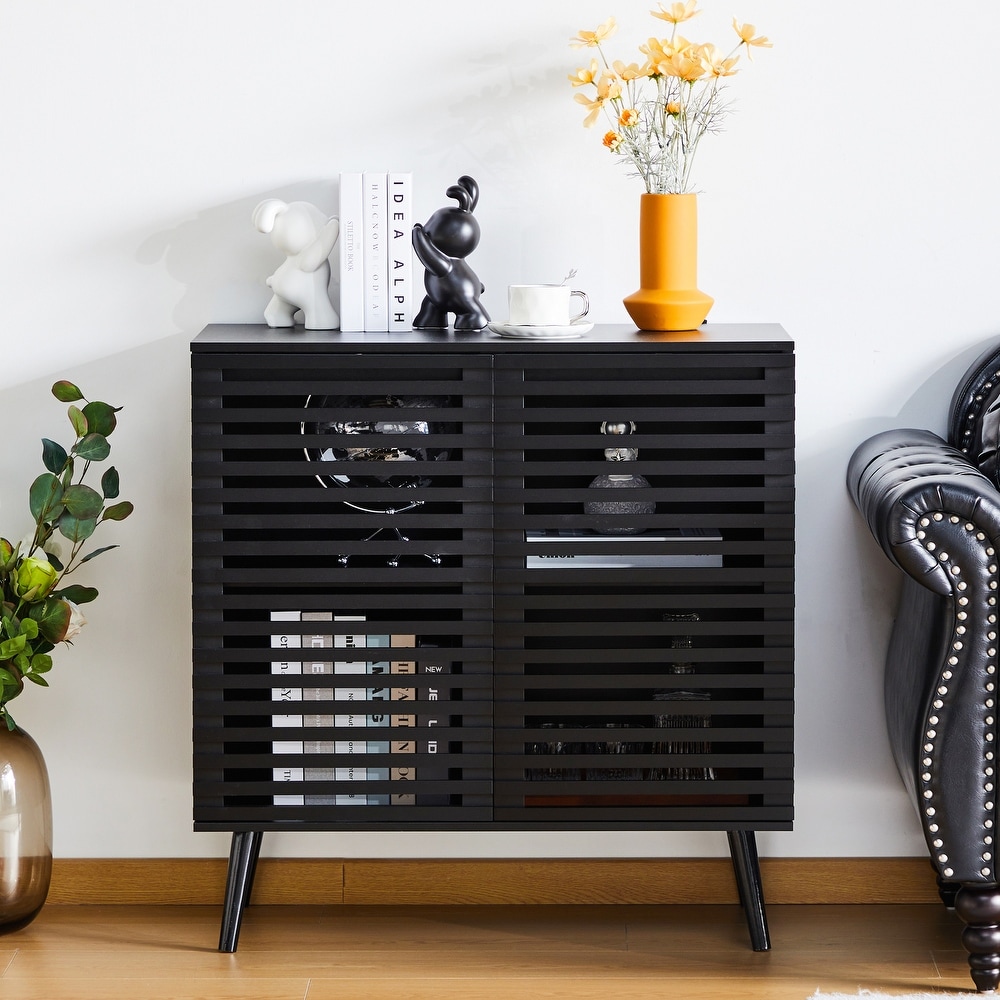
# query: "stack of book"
(371, 713)
(376, 252)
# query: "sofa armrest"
(901, 478)
(938, 519)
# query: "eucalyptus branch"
(37, 611)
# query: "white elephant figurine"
(307, 237)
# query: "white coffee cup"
(544, 305)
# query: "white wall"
(852, 198)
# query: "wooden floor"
(481, 953)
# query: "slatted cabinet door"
(342, 591)
(644, 606)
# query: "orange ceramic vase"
(668, 298)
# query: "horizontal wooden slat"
(525, 881)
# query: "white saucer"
(571, 332)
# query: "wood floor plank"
(155, 989)
(508, 952)
(540, 988)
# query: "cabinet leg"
(243, 857)
(743, 848)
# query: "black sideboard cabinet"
(424, 601)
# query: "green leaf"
(11, 724)
(29, 628)
(37, 679)
(100, 417)
(78, 420)
(81, 501)
(51, 618)
(77, 594)
(53, 455)
(67, 476)
(118, 511)
(6, 677)
(74, 528)
(110, 484)
(45, 497)
(66, 392)
(9, 648)
(95, 553)
(41, 663)
(93, 448)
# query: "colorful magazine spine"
(402, 717)
(317, 661)
(378, 716)
(351, 716)
(400, 271)
(287, 665)
(376, 252)
(352, 253)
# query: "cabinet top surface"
(712, 337)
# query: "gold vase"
(25, 829)
(668, 297)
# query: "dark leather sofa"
(934, 508)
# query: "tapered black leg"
(979, 907)
(746, 867)
(243, 857)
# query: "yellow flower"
(673, 107)
(658, 53)
(612, 140)
(591, 39)
(685, 65)
(628, 118)
(584, 76)
(678, 12)
(748, 37)
(593, 106)
(633, 71)
(715, 62)
(608, 88)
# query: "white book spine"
(352, 253)
(285, 666)
(376, 253)
(586, 560)
(400, 226)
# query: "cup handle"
(586, 305)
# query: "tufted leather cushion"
(974, 423)
(898, 476)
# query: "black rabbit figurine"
(442, 244)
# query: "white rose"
(77, 620)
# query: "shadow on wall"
(222, 261)
(125, 681)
